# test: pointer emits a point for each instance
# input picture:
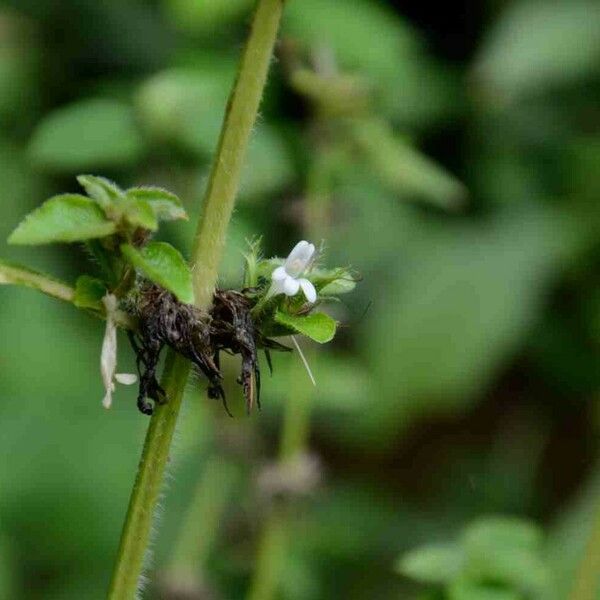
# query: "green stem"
(587, 581)
(200, 525)
(206, 256)
(15, 275)
(270, 558)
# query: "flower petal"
(291, 286)
(108, 356)
(107, 400)
(277, 287)
(279, 274)
(299, 258)
(126, 378)
(309, 290)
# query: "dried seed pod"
(200, 337)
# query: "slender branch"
(270, 558)
(210, 239)
(15, 275)
(241, 116)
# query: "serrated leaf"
(64, 218)
(317, 326)
(89, 292)
(164, 265)
(139, 213)
(88, 133)
(436, 563)
(105, 192)
(166, 206)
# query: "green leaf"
(89, 292)
(88, 133)
(506, 550)
(408, 84)
(166, 206)
(64, 218)
(520, 55)
(139, 213)
(317, 326)
(464, 589)
(185, 107)
(436, 563)
(333, 282)
(164, 265)
(404, 169)
(105, 192)
(508, 532)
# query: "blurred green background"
(452, 157)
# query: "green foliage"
(89, 133)
(64, 218)
(105, 192)
(317, 326)
(405, 170)
(519, 56)
(165, 205)
(463, 589)
(496, 557)
(89, 292)
(439, 563)
(164, 265)
(208, 16)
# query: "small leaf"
(139, 213)
(166, 206)
(506, 550)
(164, 265)
(105, 192)
(64, 218)
(317, 326)
(333, 282)
(89, 292)
(436, 563)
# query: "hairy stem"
(218, 205)
(15, 275)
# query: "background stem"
(206, 256)
(587, 581)
(272, 547)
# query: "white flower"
(286, 279)
(108, 357)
